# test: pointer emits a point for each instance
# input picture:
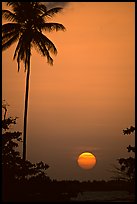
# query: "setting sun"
(86, 160)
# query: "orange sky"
(86, 99)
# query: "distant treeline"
(94, 185)
(52, 190)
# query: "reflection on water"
(113, 196)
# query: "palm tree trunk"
(26, 108)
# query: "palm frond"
(12, 3)
(26, 62)
(22, 10)
(52, 12)
(41, 47)
(8, 43)
(18, 47)
(10, 33)
(8, 15)
(20, 56)
(53, 26)
(8, 36)
(49, 45)
(41, 7)
(44, 52)
(18, 61)
(22, 50)
(16, 6)
(8, 27)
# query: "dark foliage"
(126, 171)
(128, 131)
(16, 171)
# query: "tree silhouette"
(28, 20)
(16, 171)
(128, 164)
(126, 171)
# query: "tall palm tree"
(28, 20)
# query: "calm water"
(112, 196)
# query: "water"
(107, 196)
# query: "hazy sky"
(86, 99)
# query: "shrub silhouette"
(126, 169)
(16, 172)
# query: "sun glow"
(86, 160)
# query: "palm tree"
(27, 22)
